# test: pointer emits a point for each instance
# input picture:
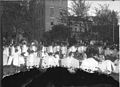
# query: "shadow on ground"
(58, 77)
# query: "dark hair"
(92, 51)
(56, 53)
(50, 54)
(71, 53)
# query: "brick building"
(46, 14)
(52, 10)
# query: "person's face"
(56, 56)
(115, 49)
(108, 48)
(72, 55)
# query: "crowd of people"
(90, 57)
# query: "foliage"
(16, 19)
(105, 16)
(58, 32)
(79, 8)
(106, 24)
(76, 15)
(64, 14)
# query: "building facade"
(52, 10)
(46, 13)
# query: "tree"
(79, 8)
(106, 22)
(77, 14)
(58, 32)
(105, 16)
(16, 19)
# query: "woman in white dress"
(36, 58)
(90, 64)
(107, 66)
(64, 50)
(64, 62)
(5, 55)
(117, 68)
(16, 58)
(56, 59)
(31, 56)
(72, 63)
(11, 57)
(21, 58)
(45, 61)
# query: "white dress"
(36, 60)
(55, 49)
(11, 57)
(51, 61)
(72, 49)
(30, 60)
(19, 50)
(64, 49)
(81, 49)
(107, 65)
(16, 59)
(5, 55)
(44, 49)
(50, 49)
(56, 60)
(64, 62)
(5, 59)
(21, 60)
(24, 50)
(74, 63)
(45, 61)
(89, 65)
(117, 68)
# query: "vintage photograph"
(60, 43)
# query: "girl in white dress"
(45, 61)
(107, 66)
(117, 68)
(56, 60)
(16, 58)
(90, 64)
(21, 58)
(11, 57)
(5, 55)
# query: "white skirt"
(45, 63)
(30, 60)
(89, 65)
(74, 63)
(16, 60)
(10, 59)
(107, 66)
(5, 59)
(21, 60)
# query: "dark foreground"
(58, 77)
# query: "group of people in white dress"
(88, 58)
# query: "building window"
(51, 11)
(52, 22)
(62, 1)
(51, 1)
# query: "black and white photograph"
(59, 43)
